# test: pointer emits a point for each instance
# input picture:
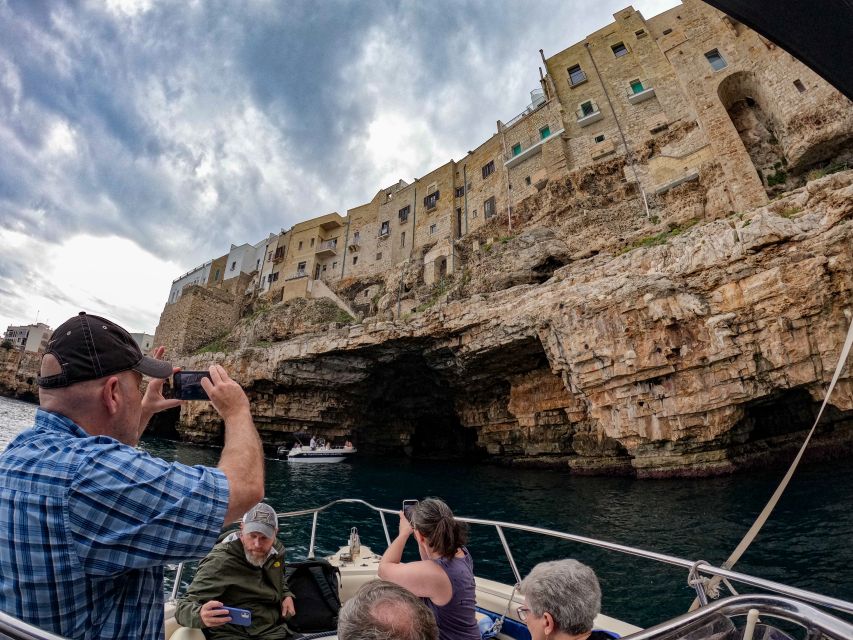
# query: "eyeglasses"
(523, 612)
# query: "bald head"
(385, 611)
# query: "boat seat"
(183, 633)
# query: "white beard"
(254, 560)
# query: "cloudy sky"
(140, 138)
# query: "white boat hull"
(319, 456)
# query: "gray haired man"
(382, 610)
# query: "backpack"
(316, 588)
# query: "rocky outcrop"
(700, 349)
(18, 373)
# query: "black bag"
(316, 588)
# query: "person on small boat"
(444, 577)
(244, 571)
(313, 443)
(562, 599)
(381, 609)
(88, 520)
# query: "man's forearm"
(242, 462)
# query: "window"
(516, 149)
(356, 236)
(334, 265)
(404, 213)
(300, 244)
(640, 33)
(637, 86)
(599, 138)
(366, 292)
(402, 239)
(269, 257)
(716, 60)
(460, 191)
(355, 259)
(576, 75)
(312, 242)
(431, 200)
(385, 229)
(279, 253)
(800, 86)
(527, 180)
(587, 108)
(474, 213)
(300, 269)
(432, 228)
(379, 256)
(544, 132)
(489, 208)
(619, 50)
(666, 32)
(488, 169)
(324, 267)
(233, 266)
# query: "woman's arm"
(425, 578)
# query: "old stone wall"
(197, 318)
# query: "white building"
(198, 276)
(31, 337)
(144, 340)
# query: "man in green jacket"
(244, 571)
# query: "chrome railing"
(692, 566)
(15, 629)
(816, 622)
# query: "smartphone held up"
(409, 508)
(186, 385)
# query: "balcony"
(639, 92)
(278, 256)
(587, 116)
(327, 249)
(530, 146)
(300, 273)
(354, 244)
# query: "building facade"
(689, 95)
(30, 337)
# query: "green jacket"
(225, 575)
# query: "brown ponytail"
(435, 521)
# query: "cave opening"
(407, 405)
(774, 427)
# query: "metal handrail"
(11, 627)
(768, 605)
(689, 565)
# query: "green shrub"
(777, 178)
(217, 345)
(6, 344)
(790, 212)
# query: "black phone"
(187, 385)
(408, 508)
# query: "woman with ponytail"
(444, 577)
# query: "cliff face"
(699, 350)
(18, 373)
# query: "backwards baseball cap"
(261, 519)
(90, 347)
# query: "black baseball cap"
(90, 347)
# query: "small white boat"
(316, 452)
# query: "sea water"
(806, 542)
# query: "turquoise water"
(806, 543)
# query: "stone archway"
(753, 116)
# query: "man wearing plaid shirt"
(87, 521)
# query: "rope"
(771, 504)
(498, 624)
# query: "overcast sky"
(139, 138)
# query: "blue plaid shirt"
(86, 525)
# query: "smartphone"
(408, 508)
(187, 385)
(243, 617)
